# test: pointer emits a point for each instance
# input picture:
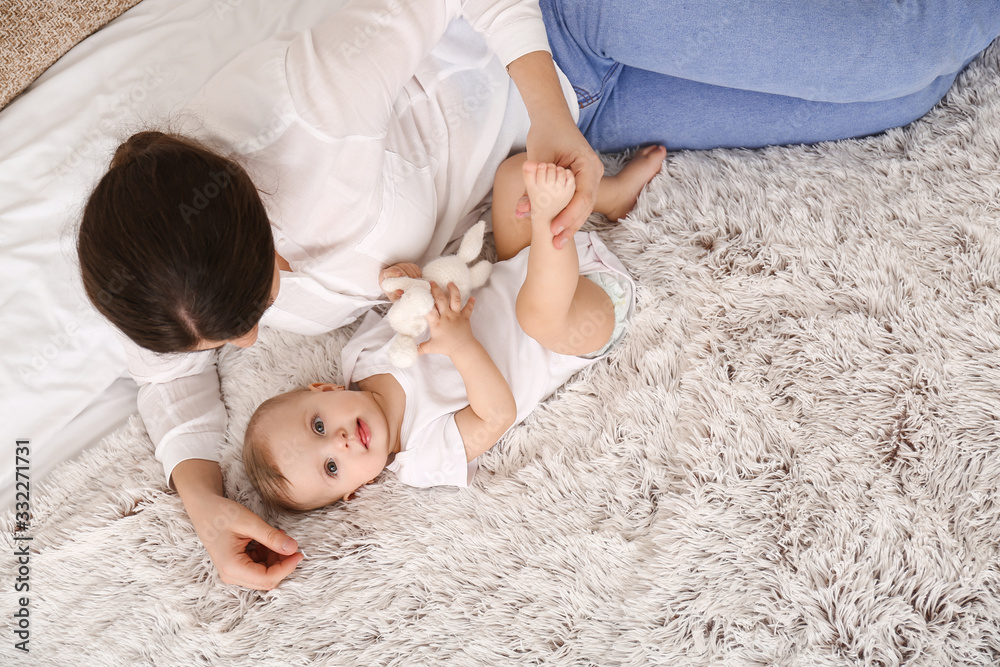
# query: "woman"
(374, 135)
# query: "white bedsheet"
(56, 354)
(103, 416)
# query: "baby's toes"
(564, 177)
(545, 175)
(529, 169)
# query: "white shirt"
(433, 453)
(376, 133)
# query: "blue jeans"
(703, 74)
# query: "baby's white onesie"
(433, 453)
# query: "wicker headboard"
(36, 33)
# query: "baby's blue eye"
(318, 426)
(331, 468)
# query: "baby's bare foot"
(549, 186)
(619, 193)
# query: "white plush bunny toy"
(408, 316)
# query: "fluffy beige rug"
(792, 459)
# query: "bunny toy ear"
(472, 242)
(480, 273)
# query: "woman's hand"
(244, 548)
(563, 144)
(405, 269)
(227, 537)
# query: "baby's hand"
(549, 186)
(448, 322)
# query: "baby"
(545, 314)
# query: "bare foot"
(549, 186)
(619, 193)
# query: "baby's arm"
(491, 409)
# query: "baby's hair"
(258, 456)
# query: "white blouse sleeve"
(512, 28)
(345, 74)
(180, 403)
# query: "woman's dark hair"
(175, 246)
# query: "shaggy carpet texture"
(792, 458)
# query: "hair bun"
(134, 146)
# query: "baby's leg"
(616, 196)
(510, 233)
(556, 306)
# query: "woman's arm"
(515, 31)
(554, 137)
(180, 404)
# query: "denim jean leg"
(646, 107)
(590, 73)
(822, 50)
(879, 64)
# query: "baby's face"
(328, 443)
